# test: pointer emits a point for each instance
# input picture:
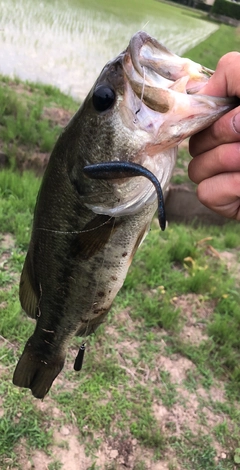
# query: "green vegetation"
(176, 285)
(17, 204)
(137, 10)
(161, 379)
(222, 7)
(21, 420)
(24, 117)
(208, 53)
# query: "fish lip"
(135, 45)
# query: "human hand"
(216, 150)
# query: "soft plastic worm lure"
(114, 170)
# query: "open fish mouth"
(150, 61)
(161, 106)
(166, 86)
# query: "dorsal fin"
(28, 298)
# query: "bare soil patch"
(57, 116)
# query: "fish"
(99, 194)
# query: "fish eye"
(103, 98)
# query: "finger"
(223, 159)
(221, 193)
(224, 130)
(225, 80)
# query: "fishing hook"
(80, 356)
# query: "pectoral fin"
(93, 237)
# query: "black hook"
(79, 359)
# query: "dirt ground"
(68, 449)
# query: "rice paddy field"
(160, 384)
(66, 43)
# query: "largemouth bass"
(87, 229)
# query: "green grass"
(163, 262)
(18, 197)
(22, 121)
(21, 420)
(197, 452)
(132, 387)
(208, 53)
(137, 9)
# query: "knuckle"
(193, 172)
(193, 146)
(236, 183)
(228, 59)
(202, 194)
(217, 130)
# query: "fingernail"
(236, 123)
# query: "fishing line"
(143, 28)
(142, 93)
(77, 232)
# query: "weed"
(221, 432)
(197, 453)
(21, 420)
(10, 326)
(191, 380)
(140, 465)
(56, 465)
(18, 197)
(22, 118)
(167, 390)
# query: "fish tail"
(36, 373)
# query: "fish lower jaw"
(130, 207)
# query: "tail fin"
(36, 373)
